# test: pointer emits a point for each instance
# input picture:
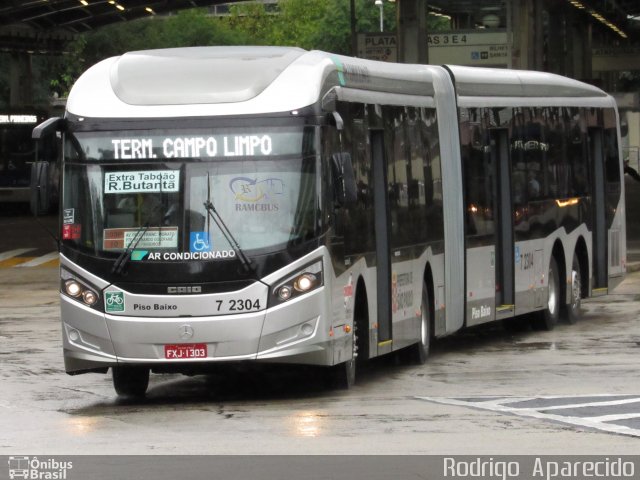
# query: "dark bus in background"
(17, 155)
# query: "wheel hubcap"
(424, 330)
(553, 300)
(575, 290)
(355, 341)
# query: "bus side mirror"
(43, 184)
(344, 179)
(40, 200)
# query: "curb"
(633, 267)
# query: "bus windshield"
(147, 191)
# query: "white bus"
(226, 204)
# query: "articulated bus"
(265, 204)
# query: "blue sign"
(138, 255)
(199, 242)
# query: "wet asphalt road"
(479, 393)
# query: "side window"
(611, 164)
(518, 165)
(577, 150)
(535, 155)
(354, 139)
(398, 173)
(432, 174)
(479, 172)
(611, 158)
(418, 164)
(555, 174)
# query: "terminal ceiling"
(77, 16)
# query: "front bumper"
(296, 332)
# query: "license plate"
(185, 350)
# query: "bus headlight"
(77, 289)
(73, 288)
(303, 281)
(284, 292)
(89, 297)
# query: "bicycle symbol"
(115, 299)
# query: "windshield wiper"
(213, 213)
(123, 259)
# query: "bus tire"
(573, 310)
(361, 329)
(130, 381)
(548, 318)
(417, 353)
(343, 375)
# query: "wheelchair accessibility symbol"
(199, 242)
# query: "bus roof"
(212, 81)
(201, 75)
(200, 81)
(493, 82)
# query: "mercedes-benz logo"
(186, 332)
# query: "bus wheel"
(548, 318)
(130, 381)
(418, 352)
(573, 310)
(342, 376)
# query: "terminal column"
(412, 31)
(20, 79)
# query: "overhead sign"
(378, 46)
(18, 119)
(469, 48)
(610, 59)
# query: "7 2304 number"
(241, 305)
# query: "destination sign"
(142, 181)
(192, 147)
(200, 143)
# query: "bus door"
(598, 202)
(381, 224)
(489, 229)
(503, 204)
